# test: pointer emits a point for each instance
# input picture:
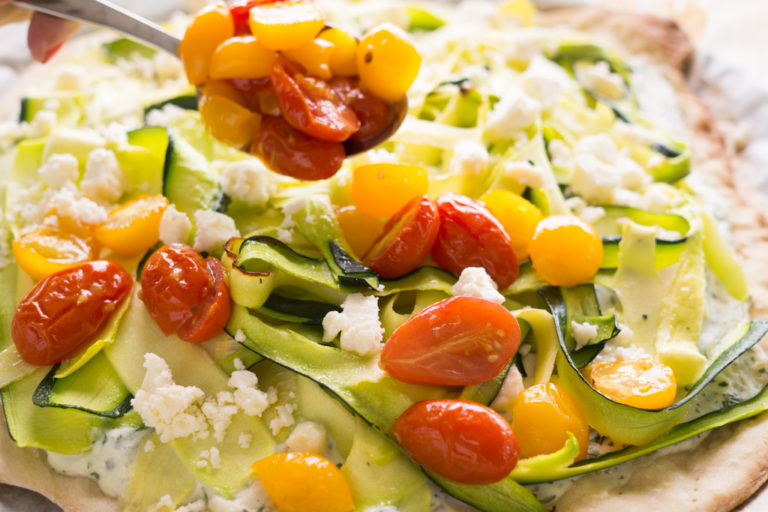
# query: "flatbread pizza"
(582, 113)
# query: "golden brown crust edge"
(731, 463)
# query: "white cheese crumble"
(172, 410)
(525, 173)
(70, 78)
(80, 209)
(615, 352)
(247, 395)
(103, 178)
(358, 323)
(475, 282)
(308, 436)
(244, 441)
(239, 337)
(212, 230)
(510, 389)
(212, 457)
(514, 113)
(469, 157)
(165, 501)
(560, 154)
(218, 411)
(59, 170)
(116, 134)
(248, 181)
(599, 78)
(283, 419)
(545, 81)
(175, 226)
(43, 123)
(165, 116)
(149, 446)
(583, 332)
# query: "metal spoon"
(105, 14)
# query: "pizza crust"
(717, 473)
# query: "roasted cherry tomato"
(459, 440)
(382, 190)
(344, 57)
(241, 10)
(542, 417)
(66, 311)
(643, 383)
(310, 105)
(565, 250)
(225, 114)
(459, 341)
(241, 57)
(293, 153)
(406, 239)
(134, 227)
(360, 229)
(210, 27)
(374, 113)
(518, 216)
(287, 24)
(387, 62)
(46, 250)
(185, 293)
(298, 482)
(314, 57)
(471, 237)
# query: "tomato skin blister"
(66, 310)
(460, 440)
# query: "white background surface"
(732, 38)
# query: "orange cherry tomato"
(310, 105)
(299, 482)
(542, 417)
(518, 216)
(134, 227)
(287, 24)
(374, 113)
(406, 239)
(344, 57)
(387, 62)
(293, 153)
(471, 237)
(185, 293)
(643, 383)
(315, 57)
(222, 108)
(459, 440)
(360, 229)
(66, 311)
(46, 250)
(382, 190)
(241, 57)
(565, 250)
(459, 341)
(210, 27)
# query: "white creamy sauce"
(108, 461)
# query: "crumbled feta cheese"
(43, 123)
(469, 157)
(592, 214)
(475, 282)
(165, 116)
(308, 436)
(658, 197)
(172, 410)
(79, 209)
(195, 506)
(544, 80)
(244, 441)
(358, 323)
(593, 179)
(560, 153)
(599, 79)
(219, 411)
(583, 332)
(239, 337)
(175, 226)
(212, 230)
(70, 78)
(631, 133)
(508, 393)
(283, 419)
(615, 352)
(248, 181)
(59, 170)
(149, 446)
(165, 501)
(513, 114)
(103, 178)
(215, 457)
(525, 173)
(167, 67)
(247, 395)
(116, 134)
(9, 134)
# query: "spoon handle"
(106, 14)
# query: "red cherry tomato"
(373, 112)
(459, 341)
(406, 239)
(470, 236)
(459, 440)
(293, 153)
(185, 293)
(310, 105)
(65, 311)
(240, 10)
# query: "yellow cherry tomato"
(518, 216)
(211, 27)
(360, 229)
(299, 482)
(315, 56)
(241, 57)
(565, 250)
(387, 62)
(223, 110)
(542, 417)
(134, 227)
(344, 56)
(381, 190)
(643, 383)
(46, 250)
(286, 25)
